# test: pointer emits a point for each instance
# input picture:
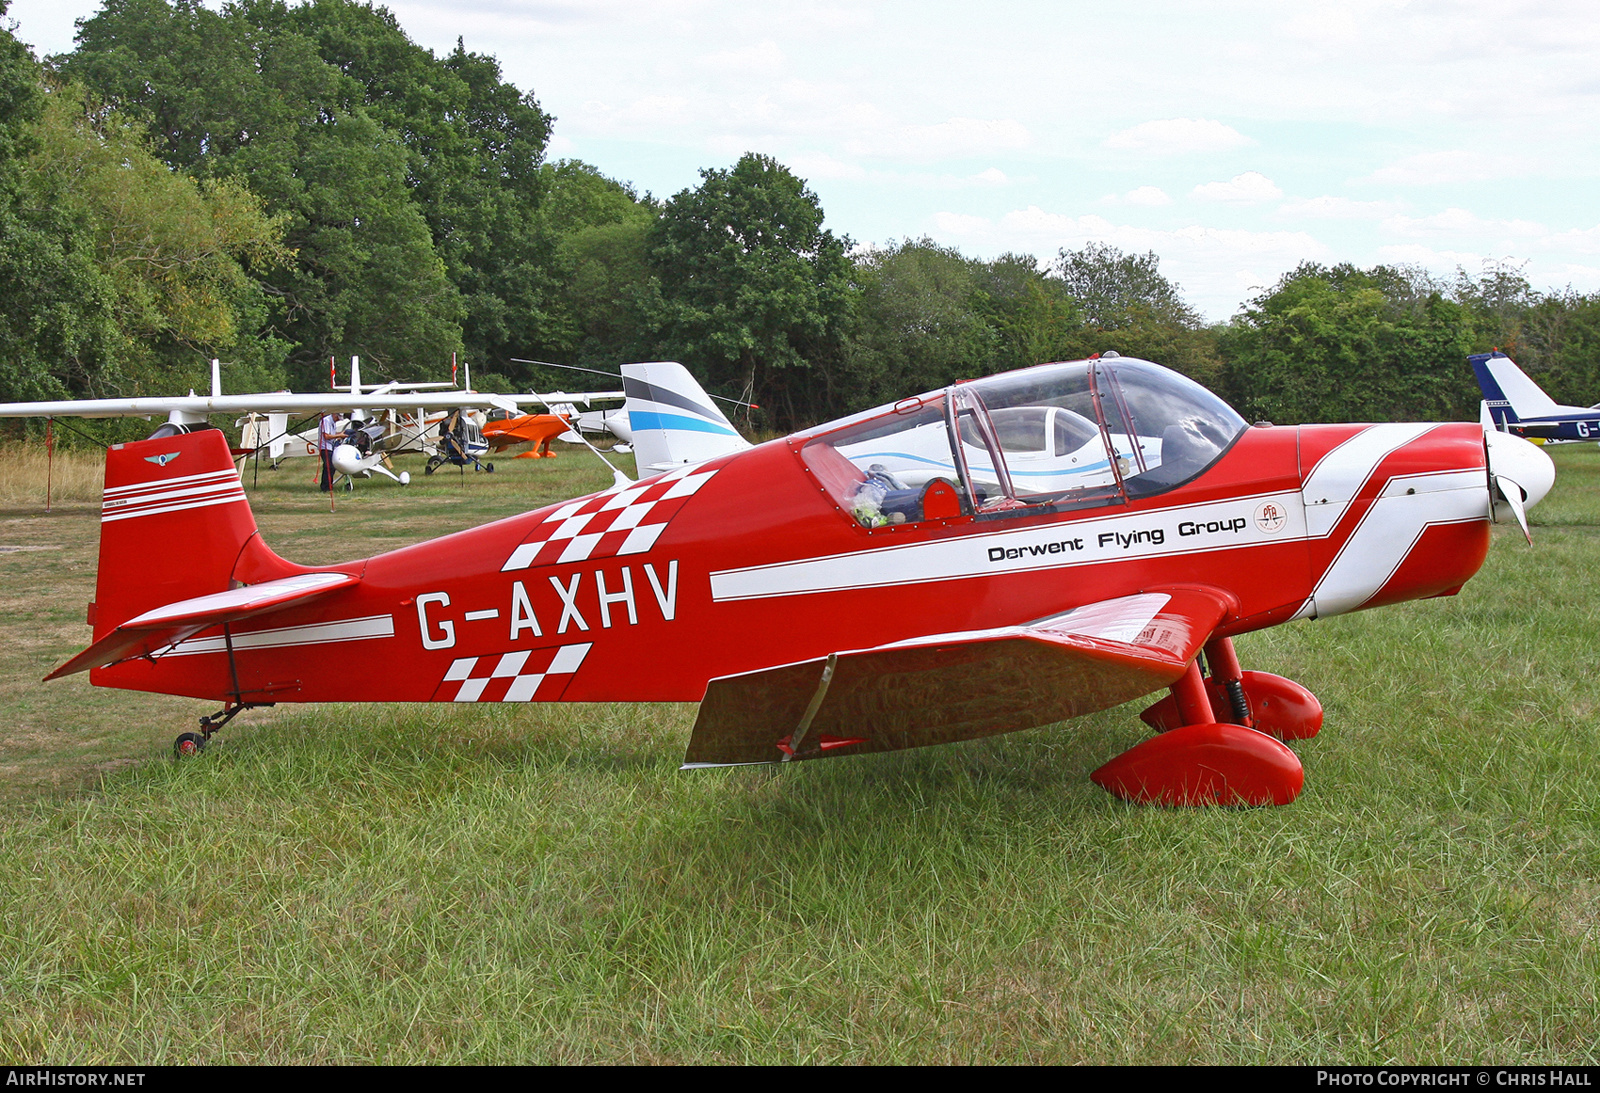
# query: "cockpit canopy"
(1065, 435)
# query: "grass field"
(541, 884)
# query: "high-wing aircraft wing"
(956, 686)
(397, 396)
(283, 402)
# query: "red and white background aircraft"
(999, 555)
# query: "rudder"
(672, 419)
(174, 524)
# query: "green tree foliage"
(1129, 306)
(1344, 344)
(1554, 336)
(474, 144)
(55, 309)
(610, 296)
(920, 324)
(169, 249)
(756, 293)
(409, 183)
(114, 270)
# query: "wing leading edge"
(956, 686)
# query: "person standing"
(327, 437)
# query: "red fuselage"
(747, 562)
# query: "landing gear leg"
(1259, 700)
(193, 743)
(1200, 758)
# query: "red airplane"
(998, 555)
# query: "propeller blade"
(1485, 418)
(1512, 493)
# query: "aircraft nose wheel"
(189, 744)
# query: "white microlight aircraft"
(190, 413)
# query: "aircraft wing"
(956, 686)
(283, 402)
(163, 626)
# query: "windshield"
(1187, 426)
(1088, 432)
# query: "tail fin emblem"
(163, 459)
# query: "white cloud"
(762, 58)
(1147, 195)
(1582, 278)
(994, 176)
(1432, 168)
(1581, 240)
(953, 138)
(1337, 208)
(810, 165)
(1178, 136)
(1416, 254)
(1250, 188)
(1458, 223)
(1214, 266)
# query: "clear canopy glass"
(1067, 435)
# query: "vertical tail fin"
(672, 419)
(174, 525)
(1511, 395)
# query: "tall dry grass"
(27, 471)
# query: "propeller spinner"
(1520, 474)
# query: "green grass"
(541, 884)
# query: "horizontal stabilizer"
(163, 626)
(956, 686)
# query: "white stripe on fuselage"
(169, 483)
(1376, 548)
(317, 633)
(1189, 529)
(1339, 475)
(1389, 529)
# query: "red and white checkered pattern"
(608, 524)
(522, 675)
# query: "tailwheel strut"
(193, 743)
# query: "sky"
(1234, 138)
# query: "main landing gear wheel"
(189, 744)
(1221, 739)
(1205, 765)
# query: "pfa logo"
(1270, 517)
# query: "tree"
(1343, 344)
(755, 292)
(1129, 306)
(55, 306)
(244, 95)
(170, 252)
(920, 324)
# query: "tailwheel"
(188, 744)
(1208, 764)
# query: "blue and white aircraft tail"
(1518, 405)
(671, 418)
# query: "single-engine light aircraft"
(998, 555)
(1519, 406)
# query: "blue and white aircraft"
(1517, 405)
